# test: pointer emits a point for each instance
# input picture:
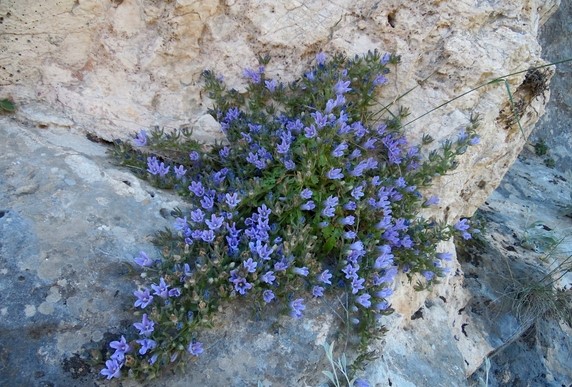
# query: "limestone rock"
(114, 67)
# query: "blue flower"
(445, 256)
(268, 295)
(297, 306)
(195, 348)
(197, 188)
(121, 348)
(308, 206)
(146, 345)
(161, 290)
(303, 271)
(335, 174)
(112, 369)
(364, 300)
(429, 275)
(144, 298)
(361, 383)
(143, 260)
(268, 277)
(250, 265)
(208, 236)
(156, 168)
(320, 58)
(252, 75)
(232, 199)
(146, 326)
(342, 87)
(306, 193)
(215, 222)
(380, 80)
(207, 202)
(357, 284)
(310, 131)
(180, 171)
(194, 156)
(462, 226)
(384, 293)
(175, 292)
(318, 291)
(141, 138)
(339, 150)
(271, 85)
(433, 200)
(347, 221)
(197, 215)
(325, 277)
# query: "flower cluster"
(310, 195)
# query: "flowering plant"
(308, 194)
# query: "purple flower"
(379, 80)
(325, 277)
(144, 298)
(317, 291)
(297, 307)
(215, 222)
(387, 277)
(197, 215)
(303, 271)
(195, 348)
(428, 275)
(339, 150)
(250, 265)
(444, 256)
(347, 221)
(320, 58)
(357, 284)
(146, 326)
(462, 226)
(121, 348)
(161, 290)
(350, 206)
(306, 193)
(208, 236)
(384, 293)
(232, 199)
(146, 345)
(175, 292)
(271, 85)
(197, 188)
(308, 206)
(207, 202)
(361, 383)
(194, 155)
(268, 295)
(224, 152)
(335, 174)
(350, 235)
(383, 305)
(241, 285)
(310, 131)
(385, 58)
(252, 75)
(433, 200)
(357, 192)
(141, 138)
(350, 271)
(143, 260)
(156, 168)
(364, 300)
(342, 87)
(289, 165)
(268, 277)
(180, 171)
(112, 369)
(281, 265)
(474, 140)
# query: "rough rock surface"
(113, 67)
(554, 126)
(70, 222)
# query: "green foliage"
(7, 106)
(310, 193)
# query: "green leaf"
(7, 106)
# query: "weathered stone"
(114, 67)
